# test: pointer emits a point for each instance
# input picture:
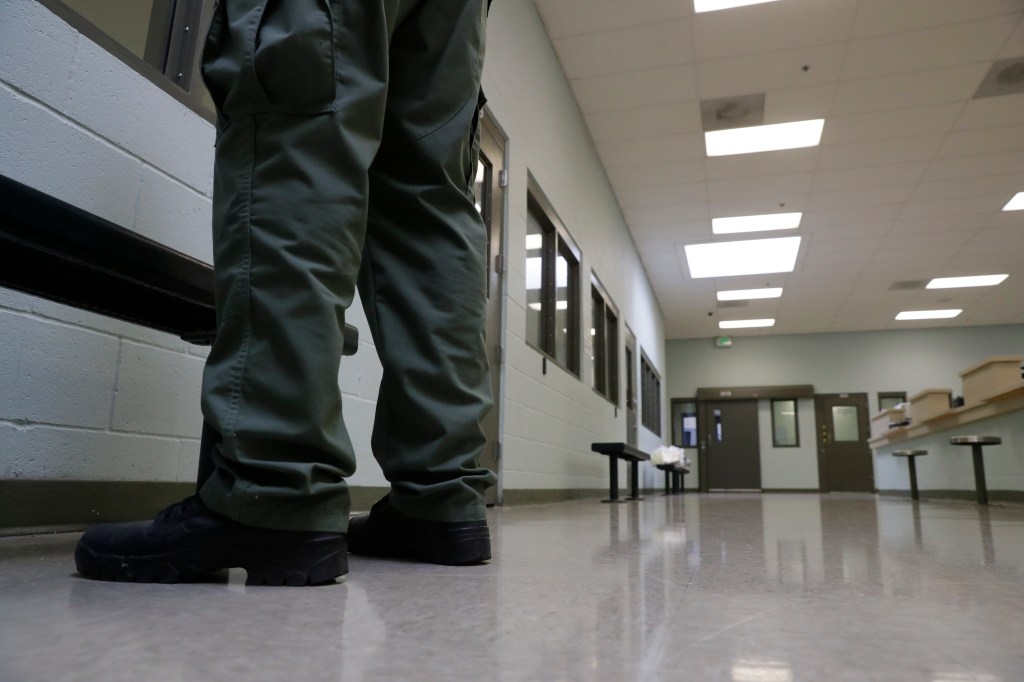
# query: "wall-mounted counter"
(994, 406)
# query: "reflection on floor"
(747, 588)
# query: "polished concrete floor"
(746, 588)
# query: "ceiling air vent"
(908, 285)
(732, 112)
(734, 304)
(1006, 77)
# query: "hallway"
(743, 587)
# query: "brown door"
(731, 450)
(490, 201)
(844, 458)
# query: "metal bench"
(675, 475)
(614, 452)
(57, 251)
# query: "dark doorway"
(844, 458)
(730, 453)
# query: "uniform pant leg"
(300, 88)
(422, 279)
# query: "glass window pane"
(562, 317)
(598, 337)
(612, 355)
(784, 425)
(141, 26)
(845, 423)
(534, 281)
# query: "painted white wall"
(84, 397)
(865, 362)
(551, 419)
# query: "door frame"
(494, 139)
(631, 364)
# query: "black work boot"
(385, 532)
(187, 541)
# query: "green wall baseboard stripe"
(78, 504)
(545, 496)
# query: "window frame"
(556, 244)
(183, 51)
(796, 423)
(882, 395)
(606, 343)
(650, 395)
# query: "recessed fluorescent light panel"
(749, 294)
(756, 223)
(1016, 203)
(928, 314)
(750, 257)
(974, 281)
(768, 138)
(746, 324)
(700, 6)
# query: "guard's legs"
(300, 88)
(422, 280)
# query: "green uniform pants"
(345, 157)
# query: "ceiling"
(908, 183)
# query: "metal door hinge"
(499, 264)
(501, 352)
(503, 178)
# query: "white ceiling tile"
(647, 88)
(784, 188)
(855, 244)
(650, 150)
(634, 48)
(969, 166)
(869, 176)
(631, 124)
(799, 104)
(662, 195)
(789, 162)
(937, 208)
(772, 27)
(816, 224)
(883, 152)
(655, 174)
(775, 71)
(675, 214)
(903, 91)
(1014, 46)
(926, 49)
(875, 17)
(573, 17)
(992, 112)
(851, 216)
(986, 141)
(913, 241)
(874, 196)
(967, 187)
(884, 125)
(724, 208)
(924, 228)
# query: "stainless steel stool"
(910, 455)
(976, 443)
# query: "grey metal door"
(731, 450)
(844, 457)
